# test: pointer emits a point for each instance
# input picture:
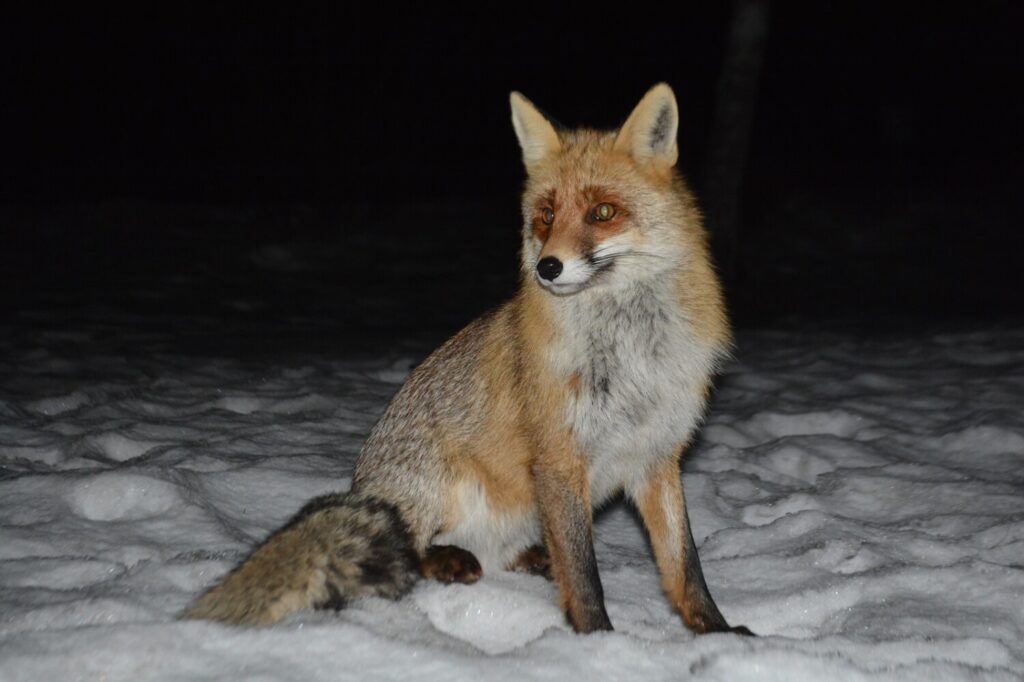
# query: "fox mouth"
(566, 289)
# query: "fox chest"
(637, 377)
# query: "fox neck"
(614, 312)
(634, 369)
(642, 317)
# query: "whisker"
(602, 256)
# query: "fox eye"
(604, 212)
(548, 216)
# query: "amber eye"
(548, 216)
(604, 212)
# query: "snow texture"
(858, 503)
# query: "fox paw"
(719, 625)
(534, 560)
(450, 564)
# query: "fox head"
(603, 208)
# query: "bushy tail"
(336, 548)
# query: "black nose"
(549, 268)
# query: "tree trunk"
(730, 129)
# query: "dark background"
(360, 166)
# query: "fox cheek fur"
(589, 383)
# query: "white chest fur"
(640, 376)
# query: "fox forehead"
(586, 168)
(567, 196)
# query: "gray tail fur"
(336, 548)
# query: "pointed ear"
(537, 137)
(649, 134)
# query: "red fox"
(588, 383)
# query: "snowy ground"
(858, 503)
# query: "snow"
(858, 501)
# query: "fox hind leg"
(534, 560)
(450, 564)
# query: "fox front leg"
(563, 493)
(663, 508)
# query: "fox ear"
(537, 137)
(649, 134)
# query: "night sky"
(883, 178)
